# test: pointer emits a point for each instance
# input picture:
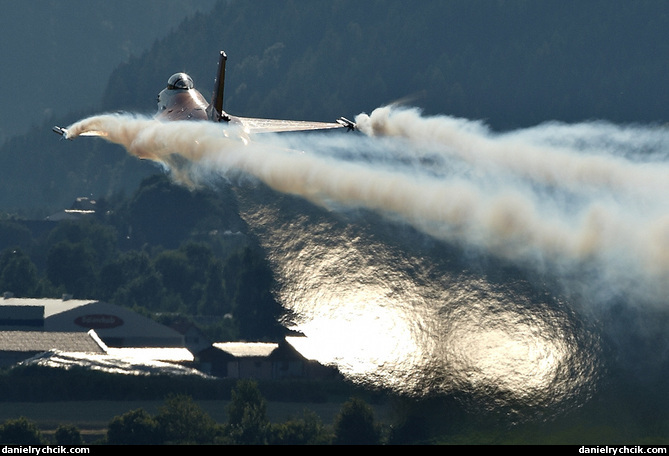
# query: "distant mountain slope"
(513, 63)
(58, 55)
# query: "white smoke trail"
(577, 157)
(531, 195)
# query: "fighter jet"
(181, 101)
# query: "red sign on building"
(98, 321)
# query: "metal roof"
(51, 306)
(108, 320)
(247, 349)
(32, 341)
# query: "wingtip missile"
(61, 131)
(343, 121)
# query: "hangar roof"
(109, 321)
(29, 341)
(51, 306)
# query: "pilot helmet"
(180, 81)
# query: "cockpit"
(180, 81)
(180, 100)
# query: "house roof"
(33, 341)
(247, 349)
(282, 350)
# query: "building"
(129, 361)
(194, 339)
(17, 346)
(259, 360)
(65, 332)
(115, 325)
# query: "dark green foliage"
(256, 309)
(247, 415)
(164, 214)
(75, 253)
(20, 432)
(355, 424)
(133, 256)
(67, 434)
(308, 430)
(214, 299)
(18, 274)
(181, 421)
(513, 62)
(123, 274)
(100, 238)
(14, 234)
(34, 383)
(72, 267)
(136, 427)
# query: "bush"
(136, 427)
(20, 432)
(247, 415)
(182, 421)
(68, 435)
(308, 430)
(354, 425)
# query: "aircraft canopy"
(180, 81)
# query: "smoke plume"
(586, 197)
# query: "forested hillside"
(512, 63)
(163, 250)
(58, 55)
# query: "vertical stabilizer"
(216, 107)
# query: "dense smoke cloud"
(586, 197)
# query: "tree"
(68, 435)
(136, 427)
(132, 280)
(354, 425)
(182, 421)
(247, 415)
(18, 274)
(256, 309)
(100, 238)
(14, 234)
(176, 272)
(73, 267)
(20, 431)
(123, 270)
(164, 213)
(213, 301)
(308, 430)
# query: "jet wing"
(253, 125)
